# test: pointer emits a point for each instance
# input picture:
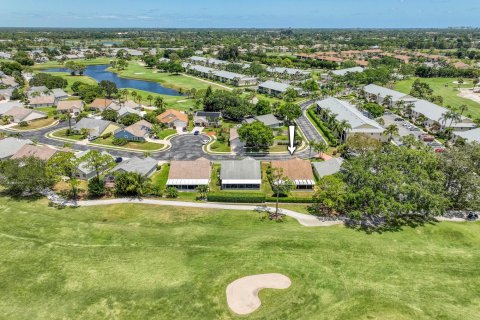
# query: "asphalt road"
(184, 147)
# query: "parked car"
(439, 150)
(427, 137)
(398, 119)
(118, 159)
(196, 133)
(204, 142)
(91, 138)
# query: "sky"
(240, 13)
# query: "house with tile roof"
(297, 170)
(173, 118)
(188, 175)
(138, 131)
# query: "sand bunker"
(470, 94)
(242, 294)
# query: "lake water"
(99, 73)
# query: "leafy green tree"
(23, 58)
(391, 131)
(130, 184)
(461, 167)
(96, 187)
(129, 119)
(65, 164)
(256, 135)
(25, 177)
(392, 187)
(110, 115)
(97, 161)
(289, 111)
(329, 197)
(109, 87)
(263, 107)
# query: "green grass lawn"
(72, 79)
(36, 124)
(88, 62)
(166, 132)
(178, 82)
(140, 146)
(449, 93)
(63, 134)
(148, 262)
(220, 147)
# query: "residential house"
(328, 167)
(359, 123)
(235, 79)
(41, 101)
(207, 119)
(6, 106)
(10, 146)
(100, 104)
(298, 171)
(21, 114)
(243, 174)
(8, 81)
(145, 167)
(39, 152)
(59, 94)
(5, 94)
(342, 72)
(37, 91)
(289, 72)
(84, 171)
(73, 107)
(95, 127)
(188, 175)
(173, 118)
(135, 132)
(267, 119)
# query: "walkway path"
(303, 219)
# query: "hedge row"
(236, 197)
(326, 132)
(289, 200)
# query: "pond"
(99, 73)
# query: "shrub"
(119, 141)
(171, 192)
(238, 197)
(106, 135)
(23, 124)
(326, 131)
(96, 187)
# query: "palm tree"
(409, 109)
(125, 93)
(454, 117)
(342, 129)
(463, 108)
(320, 147)
(150, 98)
(387, 101)
(134, 95)
(390, 131)
(159, 103)
(139, 99)
(399, 105)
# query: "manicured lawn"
(63, 134)
(150, 262)
(220, 147)
(36, 124)
(449, 93)
(51, 111)
(72, 79)
(161, 176)
(56, 64)
(141, 146)
(165, 133)
(178, 82)
(174, 102)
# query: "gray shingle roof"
(141, 166)
(95, 126)
(470, 135)
(383, 92)
(346, 111)
(246, 169)
(343, 72)
(266, 119)
(10, 146)
(329, 167)
(272, 85)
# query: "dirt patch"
(242, 294)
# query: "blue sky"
(240, 13)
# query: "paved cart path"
(303, 219)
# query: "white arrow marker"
(291, 136)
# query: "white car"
(204, 142)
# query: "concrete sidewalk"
(303, 219)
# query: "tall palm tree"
(342, 129)
(390, 131)
(134, 95)
(150, 98)
(320, 147)
(463, 108)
